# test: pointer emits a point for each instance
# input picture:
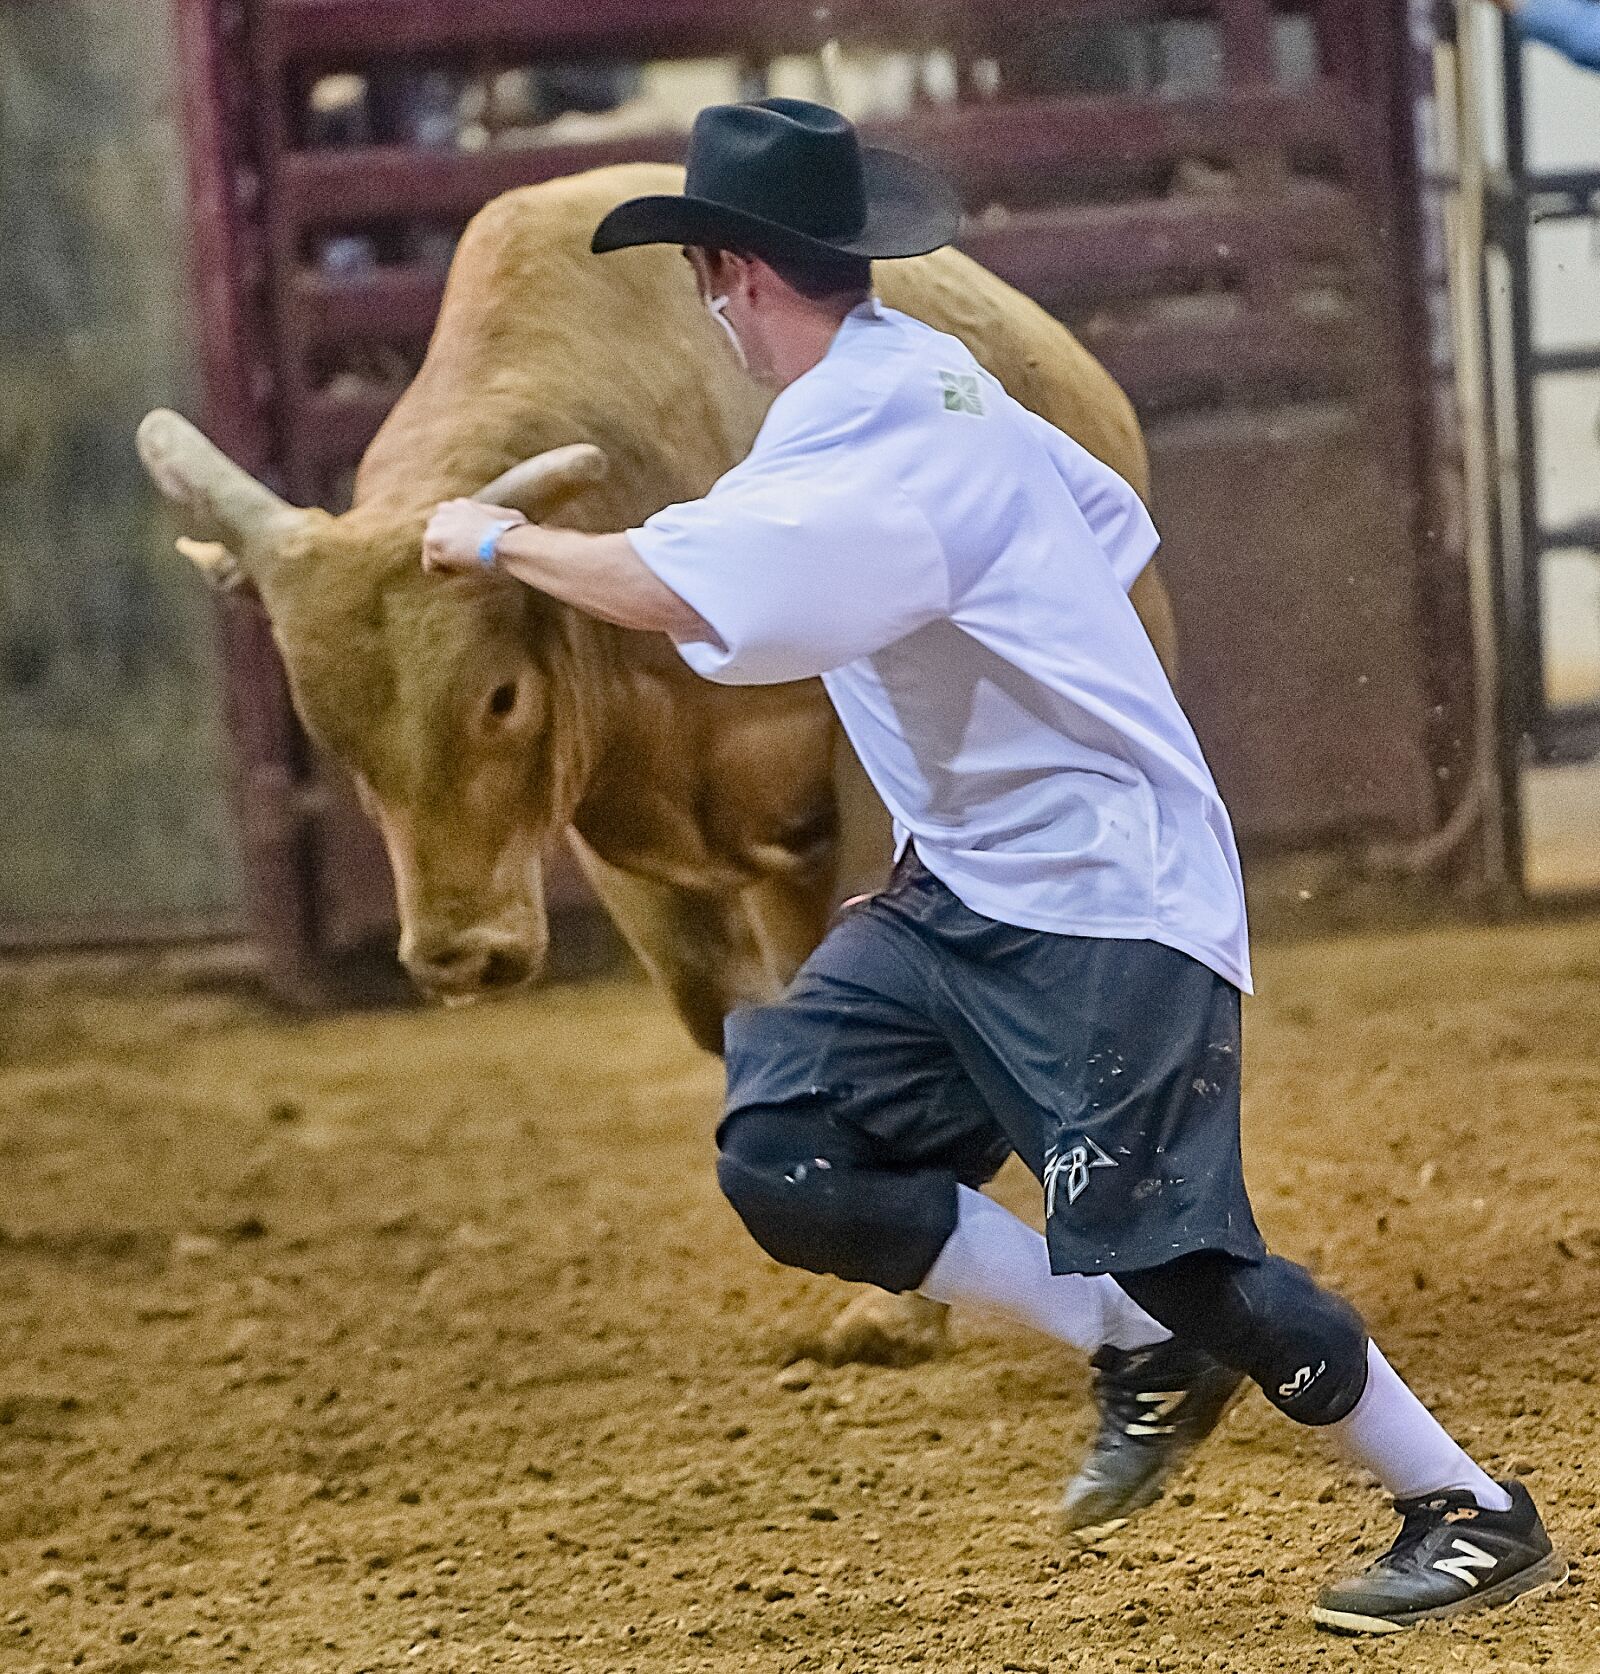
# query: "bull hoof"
(880, 1329)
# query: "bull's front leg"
(699, 947)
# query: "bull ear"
(538, 485)
(230, 521)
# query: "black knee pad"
(1306, 1347)
(807, 1193)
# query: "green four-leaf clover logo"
(961, 393)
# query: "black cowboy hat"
(786, 177)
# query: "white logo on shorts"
(1075, 1164)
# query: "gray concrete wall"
(111, 799)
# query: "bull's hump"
(595, 191)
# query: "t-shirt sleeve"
(1116, 516)
(798, 567)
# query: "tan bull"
(477, 717)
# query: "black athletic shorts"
(1110, 1067)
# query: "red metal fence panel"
(1236, 240)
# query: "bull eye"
(503, 699)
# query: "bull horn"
(223, 510)
(214, 561)
(542, 483)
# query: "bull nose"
(502, 969)
(471, 965)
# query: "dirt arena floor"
(421, 1340)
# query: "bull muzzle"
(466, 964)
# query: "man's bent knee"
(809, 1197)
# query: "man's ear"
(742, 274)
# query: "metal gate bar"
(1554, 731)
(268, 780)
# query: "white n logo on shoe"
(1469, 1559)
(1162, 1404)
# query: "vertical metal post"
(1247, 27)
(1524, 580)
(1459, 95)
(1508, 759)
(1339, 44)
(1247, 44)
(1441, 588)
(226, 275)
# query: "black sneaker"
(1156, 1405)
(1450, 1556)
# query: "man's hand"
(450, 542)
(601, 574)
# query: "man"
(1057, 963)
(1572, 27)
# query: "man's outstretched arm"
(765, 580)
(601, 575)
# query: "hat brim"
(910, 211)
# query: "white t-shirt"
(957, 570)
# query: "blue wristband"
(491, 539)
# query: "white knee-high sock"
(995, 1261)
(1391, 1434)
